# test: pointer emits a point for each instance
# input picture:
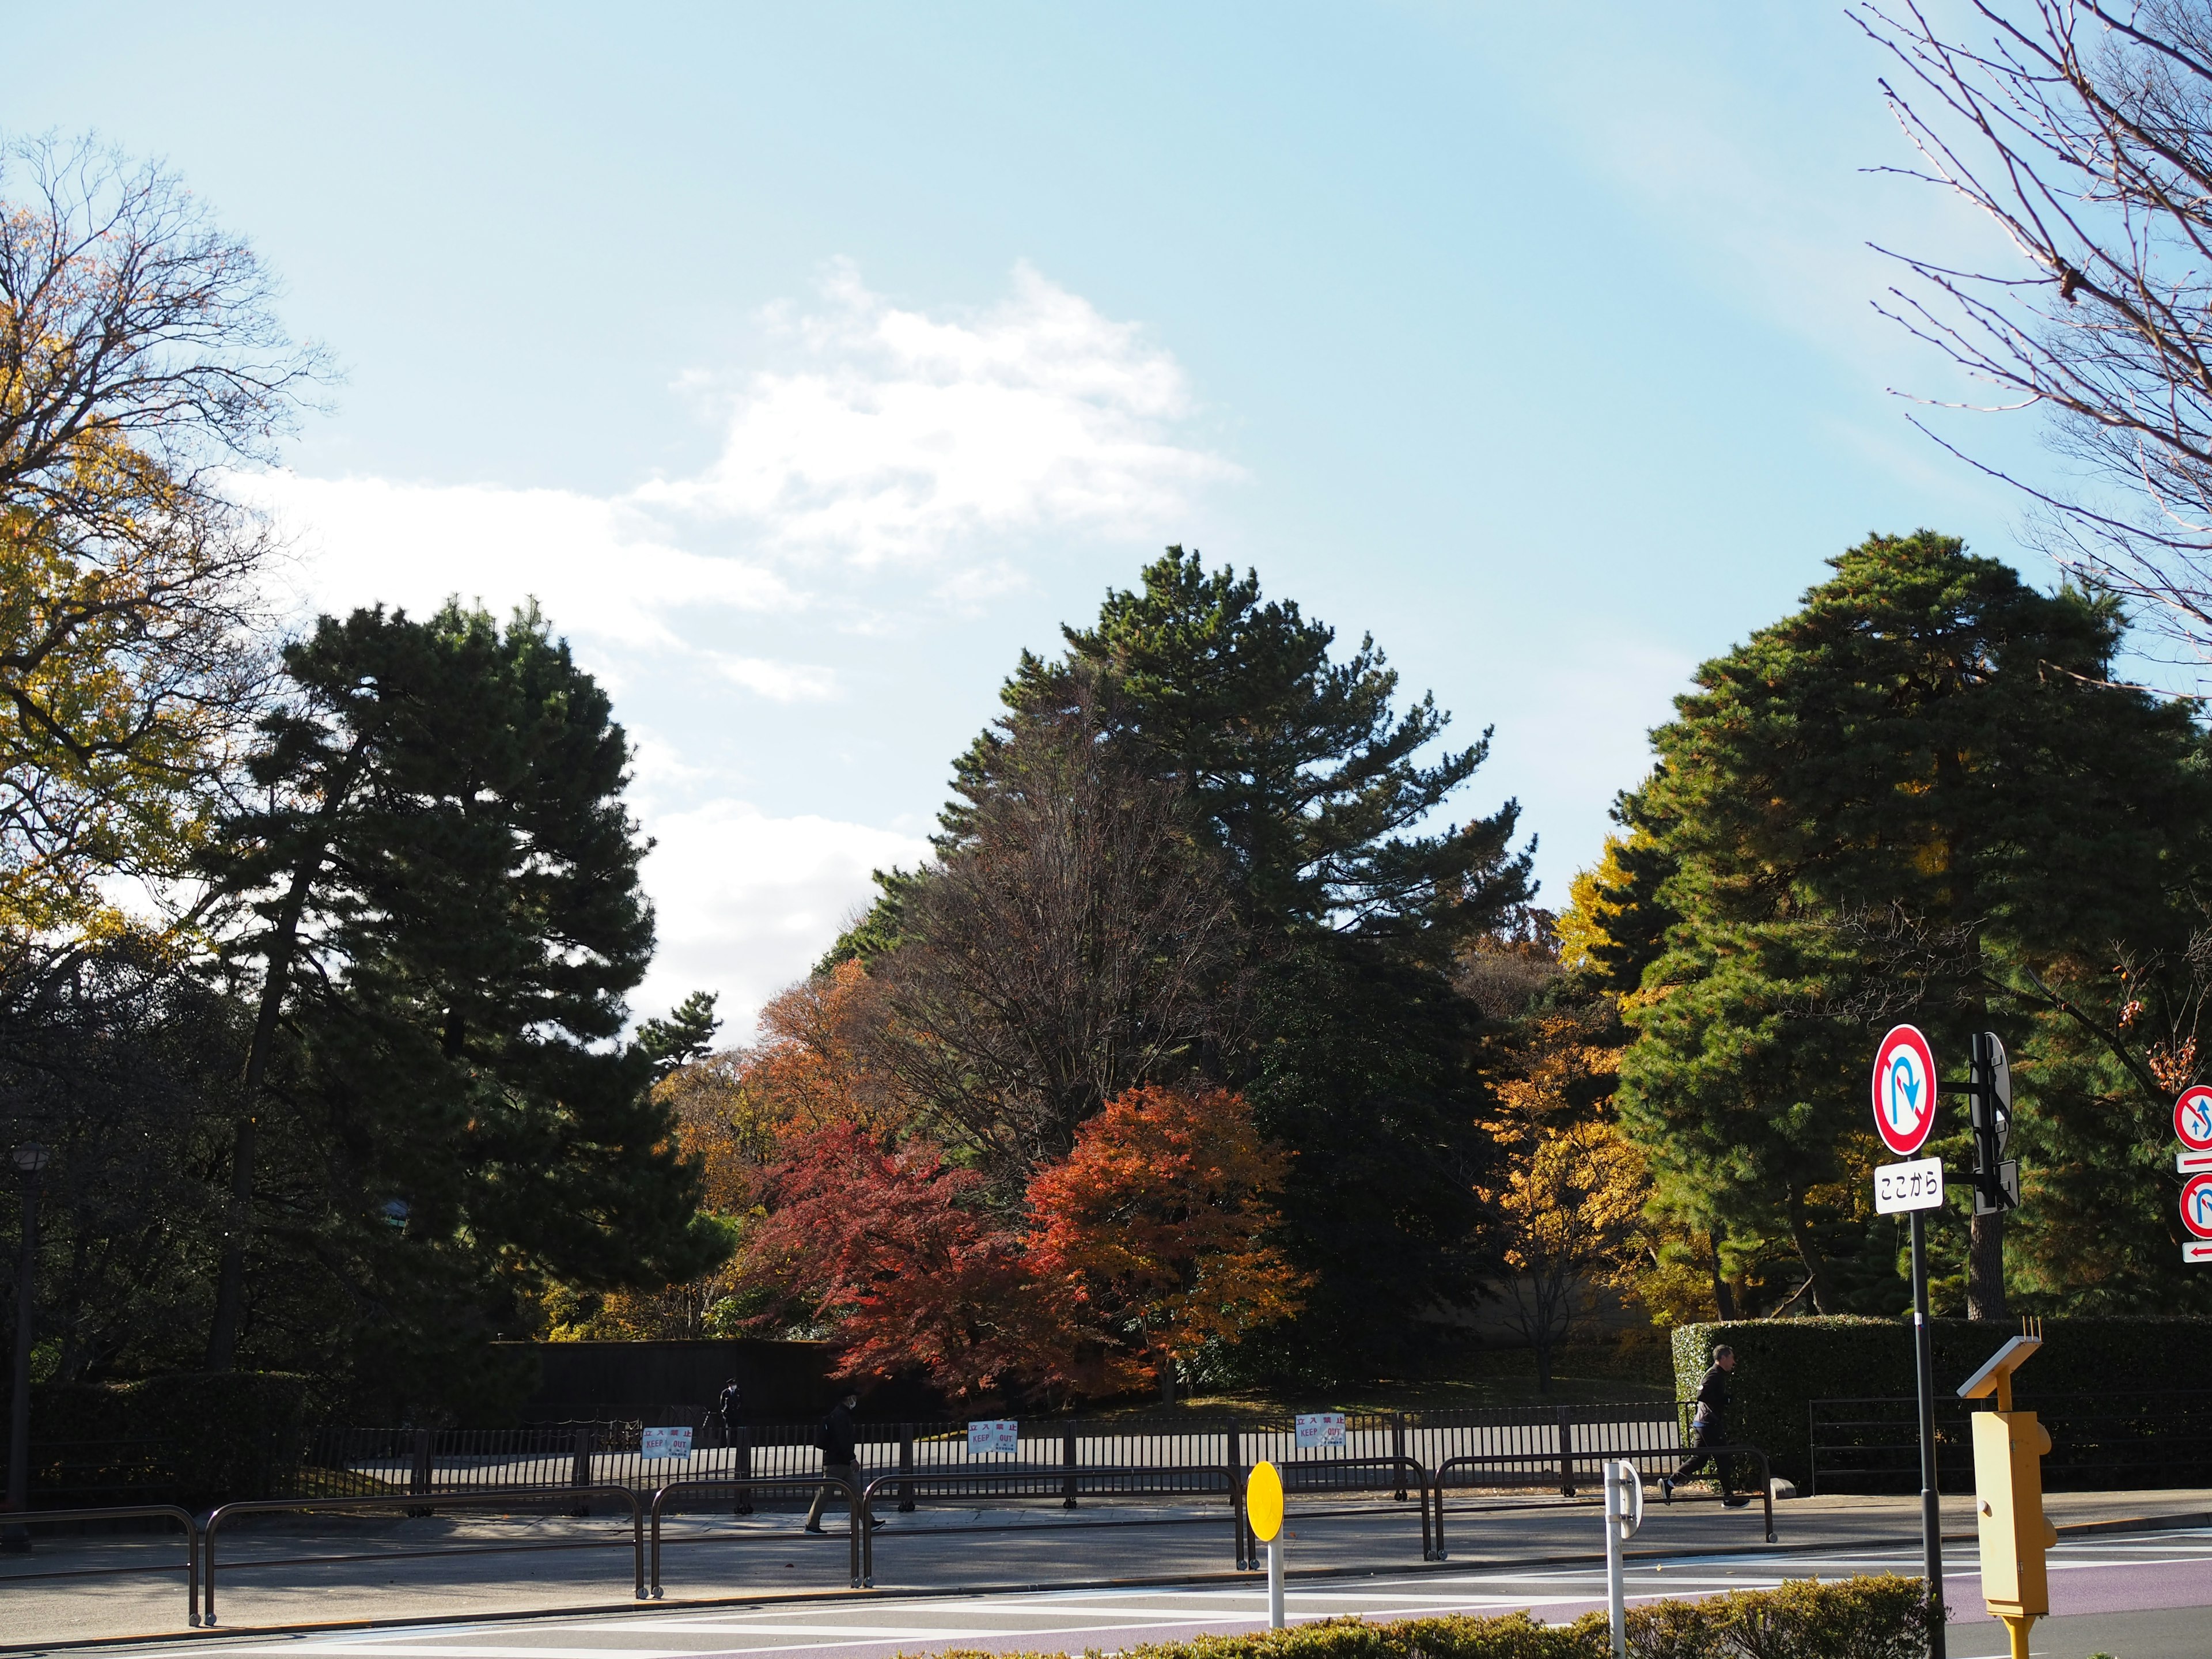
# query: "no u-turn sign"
(1904, 1089)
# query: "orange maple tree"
(1151, 1234)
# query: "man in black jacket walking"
(840, 1460)
(1709, 1428)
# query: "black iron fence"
(2097, 1441)
(1521, 1447)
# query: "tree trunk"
(283, 944)
(1724, 1297)
(1816, 1270)
(1986, 1286)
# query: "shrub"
(1784, 1364)
(1884, 1617)
(227, 1432)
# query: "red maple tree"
(1151, 1236)
(893, 1249)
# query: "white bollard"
(1275, 1582)
(1624, 1514)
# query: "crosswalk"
(2171, 1569)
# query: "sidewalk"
(471, 1566)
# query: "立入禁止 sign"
(996, 1435)
(1320, 1429)
(664, 1443)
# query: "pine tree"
(688, 1034)
(446, 880)
(1357, 1054)
(1906, 801)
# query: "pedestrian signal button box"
(2008, 1449)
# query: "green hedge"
(1883, 1618)
(1784, 1364)
(228, 1432)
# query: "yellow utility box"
(2008, 1449)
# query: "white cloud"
(888, 464)
(938, 443)
(897, 434)
(779, 682)
(747, 902)
(597, 566)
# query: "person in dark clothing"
(840, 1456)
(1709, 1428)
(729, 1412)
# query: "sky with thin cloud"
(805, 364)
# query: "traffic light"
(1997, 1178)
(2009, 1450)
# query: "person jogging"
(1708, 1429)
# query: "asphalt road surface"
(2140, 1596)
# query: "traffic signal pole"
(1931, 1512)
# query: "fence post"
(579, 1471)
(1236, 1455)
(1566, 1455)
(1398, 1449)
(906, 1467)
(1068, 1460)
(418, 1477)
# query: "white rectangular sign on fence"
(1914, 1186)
(1000, 1435)
(1320, 1429)
(664, 1443)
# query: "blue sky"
(807, 362)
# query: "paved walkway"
(326, 1571)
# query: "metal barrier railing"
(1635, 1455)
(1296, 1475)
(748, 1486)
(1220, 1481)
(424, 1503)
(135, 1512)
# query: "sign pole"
(1931, 1515)
(1263, 1513)
(1624, 1514)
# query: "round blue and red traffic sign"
(1904, 1089)
(2196, 1205)
(2192, 1118)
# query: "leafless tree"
(141, 358)
(1076, 940)
(127, 314)
(2082, 131)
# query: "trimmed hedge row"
(227, 1433)
(1884, 1617)
(1784, 1364)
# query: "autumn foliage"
(1154, 1228)
(1145, 1244)
(892, 1248)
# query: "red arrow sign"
(2192, 1118)
(2196, 1205)
(1904, 1089)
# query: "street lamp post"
(29, 1159)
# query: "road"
(2137, 1595)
